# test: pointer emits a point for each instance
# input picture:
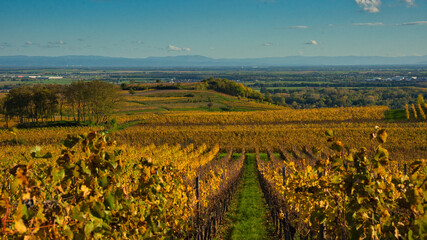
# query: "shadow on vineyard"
(28, 125)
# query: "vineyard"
(95, 190)
(325, 174)
(349, 195)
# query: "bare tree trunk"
(6, 119)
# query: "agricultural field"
(188, 164)
(295, 87)
(187, 100)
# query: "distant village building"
(374, 79)
(45, 77)
(398, 78)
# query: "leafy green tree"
(89, 101)
(232, 88)
(94, 101)
(44, 102)
(267, 97)
(103, 99)
(76, 95)
(17, 103)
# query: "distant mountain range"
(201, 61)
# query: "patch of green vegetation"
(263, 156)
(192, 109)
(124, 126)
(248, 215)
(395, 114)
(133, 112)
(137, 102)
(288, 88)
(236, 156)
(195, 100)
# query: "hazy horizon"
(214, 58)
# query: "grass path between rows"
(248, 216)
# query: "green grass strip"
(248, 217)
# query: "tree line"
(231, 87)
(395, 97)
(80, 101)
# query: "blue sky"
(213, 28)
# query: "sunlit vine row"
(265, 117)
(351, 194)
(413, 135)
(96, 190)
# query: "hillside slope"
(187, 100)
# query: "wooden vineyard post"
(321, 234)
(405, 169)
(197, 194)
(284, 175)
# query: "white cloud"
(60, 42)
(139, 42)
(312, 42)
(369, 24)
(30, 44)
(413, 23)
(371, 6)
(175, 48)
(409, 2)
(267, 44)
(297, 27)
